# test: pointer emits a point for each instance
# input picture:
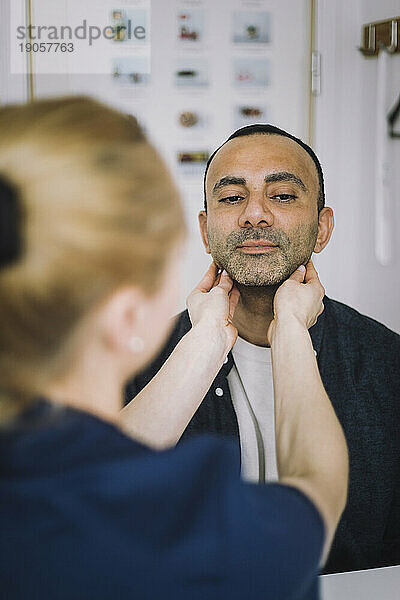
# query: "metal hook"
(394, 37)
(379, 35)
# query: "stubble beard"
(270, 268)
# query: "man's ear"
(326, 223)
(203, 229)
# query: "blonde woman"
(90, 233)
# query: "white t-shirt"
(251, 386)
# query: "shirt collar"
(315, 331)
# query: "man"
(264, 216)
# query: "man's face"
(262, 217)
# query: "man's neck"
(254, 313)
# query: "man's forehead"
(263, 151)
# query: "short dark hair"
(266, 129)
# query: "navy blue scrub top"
(87, 512)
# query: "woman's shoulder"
(47, 436)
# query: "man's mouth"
(256, 246)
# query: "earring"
(136, 344)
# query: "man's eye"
(231, 199)
(284, 197)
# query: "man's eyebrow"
(228, 181)
(285, 176)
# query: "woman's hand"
(299, 297)
(212, 305)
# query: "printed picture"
(247, 114)
(130, 25)
(191, 72)
(191, 120)
(192, 162)
(251, 27)
(134, 70)
(251, 72)
(190, 25)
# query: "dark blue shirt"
(359, 362)
(86, 512)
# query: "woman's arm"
(311, 448)
(159, 414)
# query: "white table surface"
(373, 584)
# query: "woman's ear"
(203, 229)
(326, 223)
(120, 318)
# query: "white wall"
(346, 144)
(13, 88)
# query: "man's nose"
(256, 212)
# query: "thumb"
(299, 274)
(225, 282)
(234, 298)
(206, 283)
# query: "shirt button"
(219, 391)
(226, 360)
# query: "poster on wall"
(246, 114)
(251, 27)
(249, 72)
(190, 26)
(131, 70)
(130, 25)
(192, 162)
(191, 72)
(192, 121)
(130, 64)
